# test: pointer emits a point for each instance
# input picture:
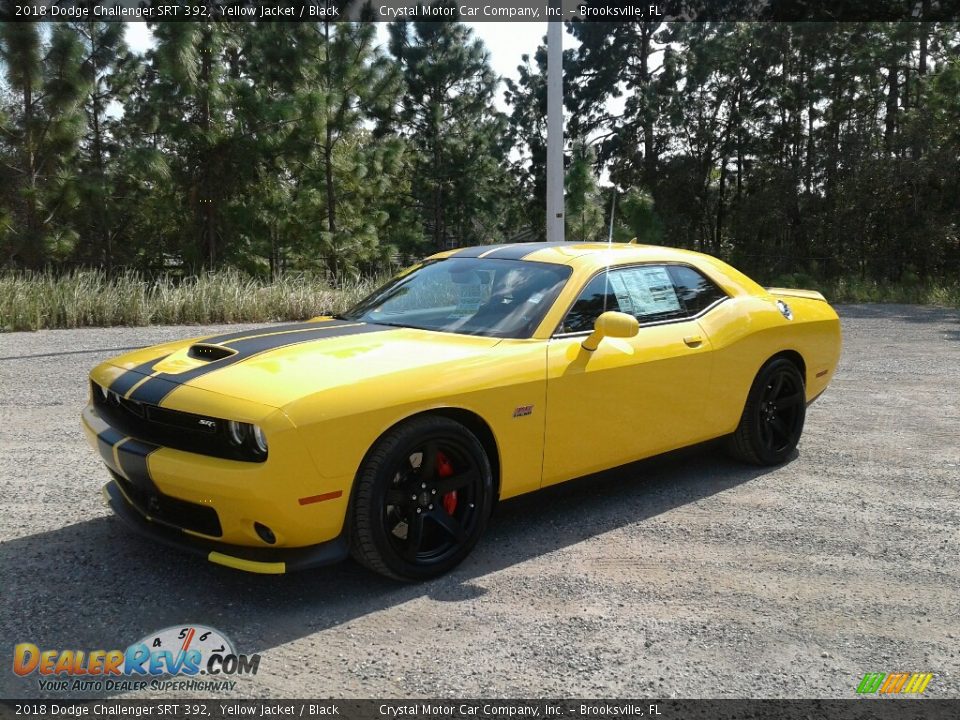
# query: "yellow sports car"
(389, 432)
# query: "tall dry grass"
(88, 298)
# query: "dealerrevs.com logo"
(202, 657)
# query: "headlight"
(248, 436)
(237, 432)
(259, 439)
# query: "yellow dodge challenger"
(389, 432)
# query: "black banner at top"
(483, 10)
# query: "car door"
(634, 397)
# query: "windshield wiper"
(390, 324)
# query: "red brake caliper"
(445, 470)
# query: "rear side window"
(695, 291)
(651, 293)
(647, 293)
(644, 291)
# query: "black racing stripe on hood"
(123, 384)
(154, 390)
(288, 327)
(270, 342)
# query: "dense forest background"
(813, 150)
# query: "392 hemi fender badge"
(523, 411)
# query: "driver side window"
(597, 298)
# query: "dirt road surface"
(686, 576)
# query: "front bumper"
(264, 560)
(223, 500)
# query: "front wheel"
(772, 420)
(422, 499)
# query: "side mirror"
(611, 324)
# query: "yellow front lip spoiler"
(253, 566)
(263, 561)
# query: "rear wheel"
(422, 500)
(772, 420)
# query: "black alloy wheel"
(773, 417)
(422, 499)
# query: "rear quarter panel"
(748, 330)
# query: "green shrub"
(912, 292)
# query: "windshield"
(472, 296)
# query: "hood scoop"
(209, 353)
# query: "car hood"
(277, 365)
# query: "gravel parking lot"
(685, 576)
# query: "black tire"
(773, 416)
(422, 499)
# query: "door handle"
(693, 341)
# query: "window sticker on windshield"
(644, 291)
(469, 297)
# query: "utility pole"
(555, 213)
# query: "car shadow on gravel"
(96, 585)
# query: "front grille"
(131, 406)
(171, 511)
(169, 428)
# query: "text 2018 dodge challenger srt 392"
(479, 374)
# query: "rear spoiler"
(787, 292)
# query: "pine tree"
(447, 114)
(42, 126)
(527, 127)
(350, 83)
(636, 218)
(613, 59)
(322, 177)
(192, 77)
(584, 214)
(108, 70)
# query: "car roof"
(581, 254)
